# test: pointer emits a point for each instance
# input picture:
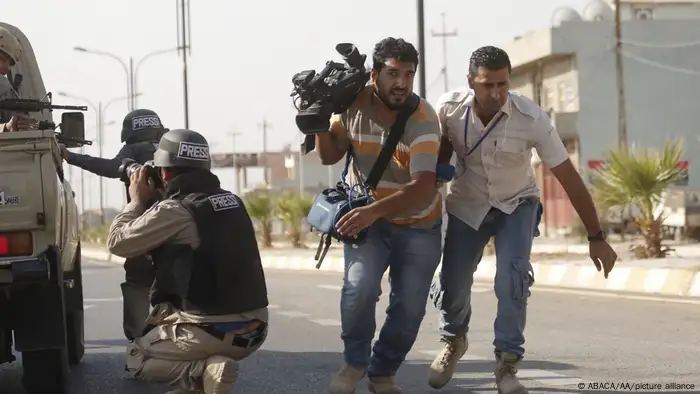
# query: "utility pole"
(621, 102)
(236, 175)
(420, 11)
(444, 34)
(265, 125)
(184, 48)
(100, 145)
(132, 93)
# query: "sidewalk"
(677, 276)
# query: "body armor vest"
(224, 275)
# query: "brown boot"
(506, 381)
(384, 385)
(443, 366)
(219, 375)
(345, 380)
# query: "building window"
(643, 14)
(566, 95)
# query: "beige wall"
(559, 83)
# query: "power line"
(659, 65)
(444, 34)
(661, 46)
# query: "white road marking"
(483, 288)
(86, 307)
(292, 314)
(326, 322)
(476, 289)
(272, 306)
(548, 378)
(117, 299)
(616, 295)
(330, 287)
(467, 356)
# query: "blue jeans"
(464, 247)
(412, 256)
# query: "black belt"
(246, 340)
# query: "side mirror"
(72, 127)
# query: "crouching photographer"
(141, 130)
(209, 295)
(390, 137)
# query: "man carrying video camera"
(209, 294)
(141, 130)
(403, 221)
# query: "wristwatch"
(600, 236)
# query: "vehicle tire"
(75, 316)
(46, 371)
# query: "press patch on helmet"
(192, 151)
(223, 201)
(145, 122)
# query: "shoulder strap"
(392, 140)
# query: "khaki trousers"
(176, 354)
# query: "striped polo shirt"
(366, 125)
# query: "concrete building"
(569, 69)
(284, 170)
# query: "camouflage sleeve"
(108, 168)
(137, 231)
(423, 139)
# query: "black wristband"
(600, 236)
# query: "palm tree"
(260, 205)
(637, 178)
(291, 209)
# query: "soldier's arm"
(108, 168)
(137, 231)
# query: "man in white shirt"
(494, 194)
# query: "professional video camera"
(129, 166)
(330, 91)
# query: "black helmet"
(182, 148)
(142, 125)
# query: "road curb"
(655, 281)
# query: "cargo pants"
(182, 354)
(464, 247)
(139, 275)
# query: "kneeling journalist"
(209, 294)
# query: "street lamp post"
(134, 86)
(130, 69)
(103, 110)
(100, 110)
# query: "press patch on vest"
(191, 151)
(145, 122)
(223, 201)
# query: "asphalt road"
(572, 339)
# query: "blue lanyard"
(483, 137)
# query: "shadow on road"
(280, 372)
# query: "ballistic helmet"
(10, 46)
(182, 148)
(142, 125)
